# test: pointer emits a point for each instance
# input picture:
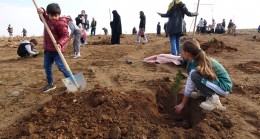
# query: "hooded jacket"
(176, 16)
(59, 31)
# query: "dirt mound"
(140, 103)
(10, 44)
(252, 67)
(15, 41)
(216, 46)
(101, 41)
(103, 113)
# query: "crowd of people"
(207, 77)
(216, 28)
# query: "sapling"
(177, 85)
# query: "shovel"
(195, 19)
(73, 82)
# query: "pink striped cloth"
(163, 58)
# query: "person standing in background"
(10, 30)
(230, 25)
(76, 32)
(86, 23)
(165, 29)
(212, 26)
(141, 32)
(116, 28)
(184, 31)
(175, 13)
(93, 27)
(201, 25)
(24, 31)
(134, 31)
(234, 28)
(223, 23)
(158, 29)
(80, 19)
(83, 38)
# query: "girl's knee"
(195, 76)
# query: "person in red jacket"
(59, 28)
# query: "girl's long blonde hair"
(204, 64)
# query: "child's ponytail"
(204, 64)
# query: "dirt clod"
(216, 46)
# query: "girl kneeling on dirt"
(206, 75)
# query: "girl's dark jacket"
(142, 22)
(176, 17)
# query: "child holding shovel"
(59, 28)
(207, 75)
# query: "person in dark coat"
(158, 29)
(223, 23)
(204, 29)
(24, 31)
(219, 29)
(175, 13)
(165, 29)
(134, 31)
(116, 28)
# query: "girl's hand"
(159, 13)
(40, 11)
(178, 108)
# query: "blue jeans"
(175, 43)
(93, 31)
(49, 58)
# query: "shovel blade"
(71, 86)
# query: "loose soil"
(125, 100)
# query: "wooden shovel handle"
(195, 19)
(52, 38)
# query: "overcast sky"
(22, 13)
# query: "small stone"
(29, 129)
(128, 62)
(115, 133)
(128, 107)
(15, 94)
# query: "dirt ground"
(128, 101)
